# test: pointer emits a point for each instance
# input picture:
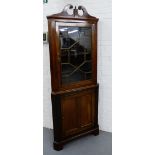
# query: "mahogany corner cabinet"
(73, 64)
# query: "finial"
(75, 12)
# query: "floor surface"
(88, 145)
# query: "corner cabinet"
(73, 63)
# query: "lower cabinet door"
(86, 116)
(70, 116)
(77, 112)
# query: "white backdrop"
(102, 10)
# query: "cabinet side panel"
(53, 55)
(57, 121)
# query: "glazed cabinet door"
(76, 54)
(77, 112)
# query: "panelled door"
(77, 112)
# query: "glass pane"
(75, 53)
